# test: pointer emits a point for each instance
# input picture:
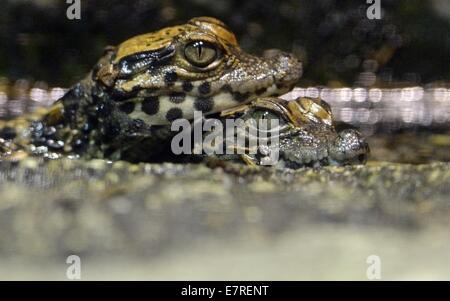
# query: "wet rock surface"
(144, 221)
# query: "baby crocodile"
(305, 132)
(125, 105)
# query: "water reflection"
(398, 107)
(23, 97)
(363, 107)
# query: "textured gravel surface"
(168, 221)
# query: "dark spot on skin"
(8, 133)
(138, 125)
(173, 114)
(170, 78)
(156, 40)
(362, 158)
(204, 88)
(70, 108)
(204, 104)
(121, 96)
(260, 91)
(177, 97)
(240, 97)
(227, 88)
(104, 109)
(110, 131)
(150, 105)
(187, 86)
(127, 107)
(90, 124)
(280, 86)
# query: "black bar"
(226, 290)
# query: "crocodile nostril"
(362, 158)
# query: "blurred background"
(339, 45)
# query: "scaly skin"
(124, 106)
(306, 135)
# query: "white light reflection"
(407, 94)
(362, 115)
(327, 94)
(56, 93)
(409, 105)
(346, 115)
(39, 95)
(345, 94)
(312, 92)
(375, 95)
(3, 98)
(407, 115)
(294, 94)
(360, 94)
(441, 94)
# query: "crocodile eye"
(200, 53)
(269, 122)
(272, 120)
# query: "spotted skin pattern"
(139, 87)
(156, 65)
(123, 109)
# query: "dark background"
(337, 42)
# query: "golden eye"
(200, 53)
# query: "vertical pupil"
(199, 50)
